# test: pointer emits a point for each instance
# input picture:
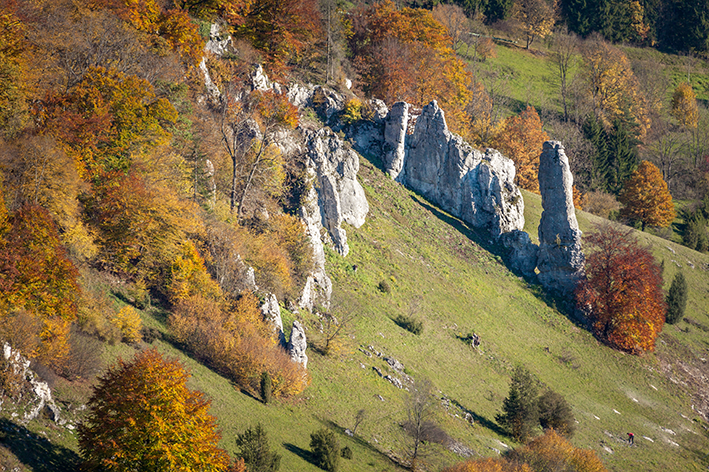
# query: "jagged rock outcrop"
(340, 196)
(395, 125)
(39, 395)
(560, 261)
(474, 186)
(271, 312)
(318, 286)
(298, 344)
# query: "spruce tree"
(677, 299)
(256, 452)
(520, 412)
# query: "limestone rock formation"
(340, 196)
(395, 125)
(298, 344)
(523, 253)
(478, 188)
(561, 261)
(318, 286)
(271, 312)
(39, 395)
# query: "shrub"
(346, 453)
(384, 287)
(600, 203)
(677, 299)
(409, 324)
(325, 449)
(555, 412)
(352, 112)
(129, 323)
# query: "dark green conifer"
(520, 414)
(677, 299)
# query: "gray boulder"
(340, 196)
(298, 344)
(523, 252)
(560, 261)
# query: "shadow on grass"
(304, 454)
(482, 420)
(562, 304)
(37, 453)
(356, 439)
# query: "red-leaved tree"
(622, 292)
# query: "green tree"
(520, 413)
(255, 451)
(677, 299)
(325, 449)
(555, 412)
(142, 417)
(266, 387)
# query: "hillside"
(167, 169)
(441, 271)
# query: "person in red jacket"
(631, 438)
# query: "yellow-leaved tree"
(684, 106)
(536, 18)
(647, 198)
(521, 140)
(142, 416)
(612, 88)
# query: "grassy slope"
(432, 260)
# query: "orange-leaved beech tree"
(622, 292)
(142, 416)
(521, 139)
(647, 198)
(407, 55)
(37, 275)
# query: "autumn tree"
(521, 140)
(420, 424)
(536, 18)
(647, 198)
(455, 21)
(611, 86)
(405, 54)
(247, 134)
(37, 275)
(563, 59)
(520, 413)
(622, 293)
(13, 65)
(684, 106)
(142, 416)
(284, 30)
(677, 299)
